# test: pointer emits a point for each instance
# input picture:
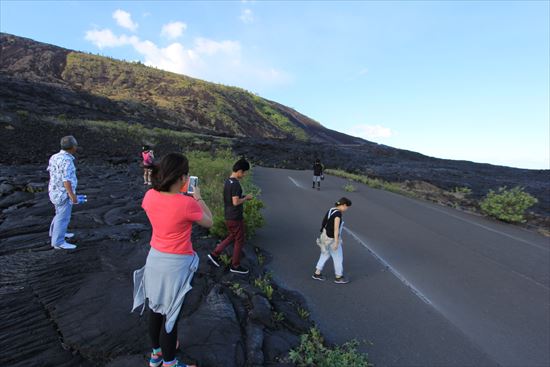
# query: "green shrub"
(313, 353)
(507, 205)
(465, 191)
(349, 187)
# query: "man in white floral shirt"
(62, 192)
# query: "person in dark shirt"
(317, 174)
(331, 238)
(233, 199)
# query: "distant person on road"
(233, 199)
(331, 241)
(317, 174)
(171, 262)
(62, 192)
(148, 157)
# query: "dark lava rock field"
(68, 308)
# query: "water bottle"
(81, 199)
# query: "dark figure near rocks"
(233, 199)
(62, 192)
(317, 174)
(171, 262)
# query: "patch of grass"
(22, 115)
(371, 182)
(303, 313)
(142, 88)
(464, 191)
(225, 259)
(508, 205)
(312, 352)
(349, 187)
(264, 284)
(237, 289)
(261, 259)
(278, 316)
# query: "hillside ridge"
(35, 75)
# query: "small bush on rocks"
(264, 284)
(313, 353)
(508, 205)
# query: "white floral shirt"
(61, 168)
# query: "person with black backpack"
(317, 174)
(330, 241)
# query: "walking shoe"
(65, 246)
(320, 277)
(69, 235)
(341, 280)
(176, 363)
(239, 269)
(156, 359)
(318, 189)
(214, 259)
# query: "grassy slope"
(191, 100)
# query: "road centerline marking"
(295, 182)
(397, 274)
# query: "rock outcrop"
(67, 308)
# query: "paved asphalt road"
(430, 286)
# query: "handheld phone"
(193, 182)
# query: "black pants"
(160, 338)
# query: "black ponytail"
(343, 201)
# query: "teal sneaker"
(156, 359)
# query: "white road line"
(487, 228)
(391, 269)
(295, 182)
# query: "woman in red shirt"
(171, 262)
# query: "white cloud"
(106, 38)
(363, 71)
(210, 47)
(173, 30)
(370, 132)
(124, 19)
(217, 61)
(247, 16)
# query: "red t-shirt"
(171, 217)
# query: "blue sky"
(459, 80)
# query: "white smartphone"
(193, 182)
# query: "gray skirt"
(164, 281)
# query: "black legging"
(160, 338)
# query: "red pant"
(236, 234)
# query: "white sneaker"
(69, 235)
(65, 246)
